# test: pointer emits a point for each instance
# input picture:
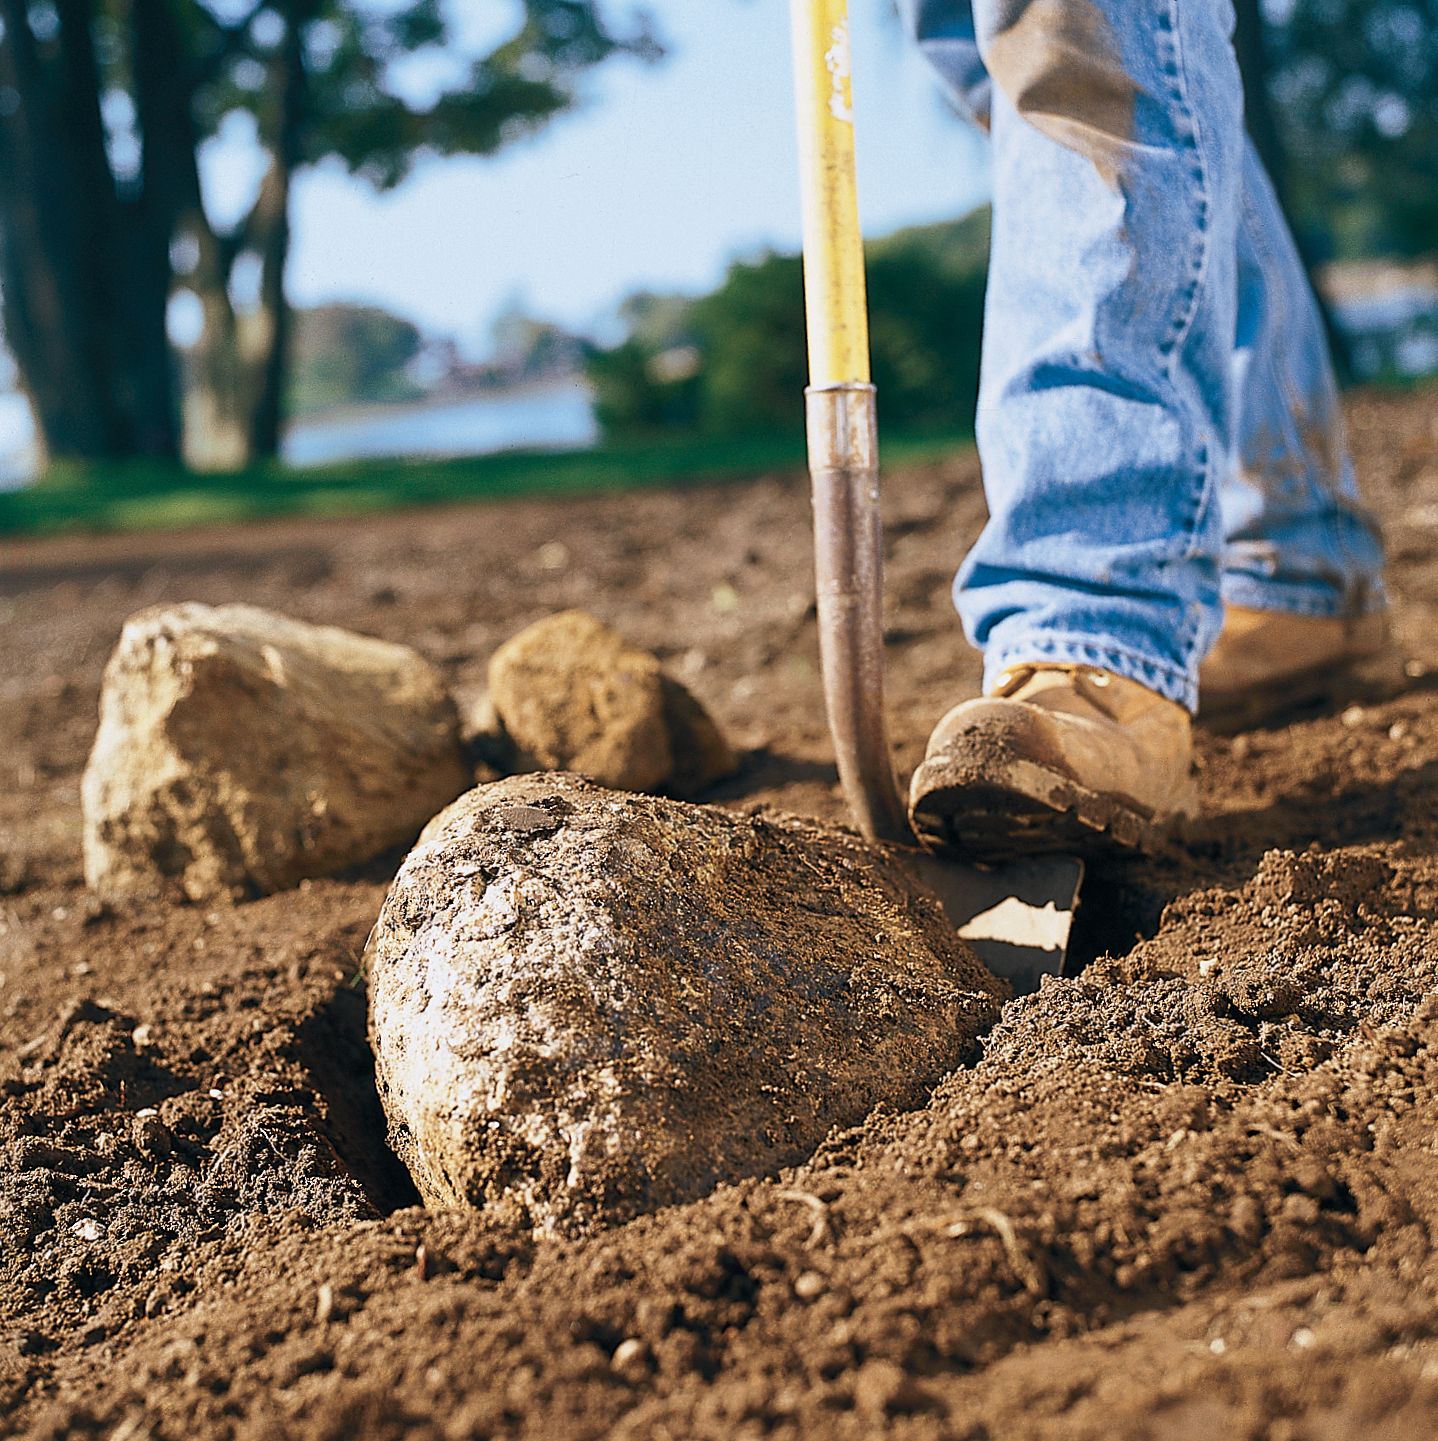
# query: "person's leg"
(1302, 560)
(1105, 415)
(944, 31)
(1106, 403)
(1296, 537)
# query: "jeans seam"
(1183, 325)
(1206, 481)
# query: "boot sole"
(1036, 812)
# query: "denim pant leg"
(944, 31)
(1296, 537)
(1105, 408)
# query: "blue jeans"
(1158, 419)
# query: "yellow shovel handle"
(833, 247)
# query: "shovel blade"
(1017, 916)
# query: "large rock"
(569, 693)
(585, 1005)
(240, 751)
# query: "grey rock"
(585, 1005)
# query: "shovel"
(1016, 916)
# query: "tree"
(527, 348)
(352, 355)
(735, 361)
(1255, 47)
(104, 106)
(1355, 87)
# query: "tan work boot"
(1267, 661)
(1057, 758)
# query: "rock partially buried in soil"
(240, 751)
(587, 1005)
(570, 694)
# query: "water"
(552, 417)
(556, 416)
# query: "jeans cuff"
(1049, 647)
(1298, 597)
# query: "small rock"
(809, 1285)
(577, 1023)
(570, 693)
(240, 751)
(631, 1360)
(1245, 1219)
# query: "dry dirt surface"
(1191, 1194)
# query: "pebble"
(809, 1285)
(883, 1388)
(631, 1359)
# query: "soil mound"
(587, 1005)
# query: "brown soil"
(1191, 1194)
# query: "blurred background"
(285, 256)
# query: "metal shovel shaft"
(843, 442)
(848, 565)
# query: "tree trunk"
(275, 317)
(74, 291)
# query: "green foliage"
(352, 355)
(355, 112)
(749, 335)
(107, 108)
(735, 361)
(634, 396)
(1355, 83)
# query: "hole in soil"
(1117, 909)
(334, 1047)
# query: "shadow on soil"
(334, 1048)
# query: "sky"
(664, 176)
